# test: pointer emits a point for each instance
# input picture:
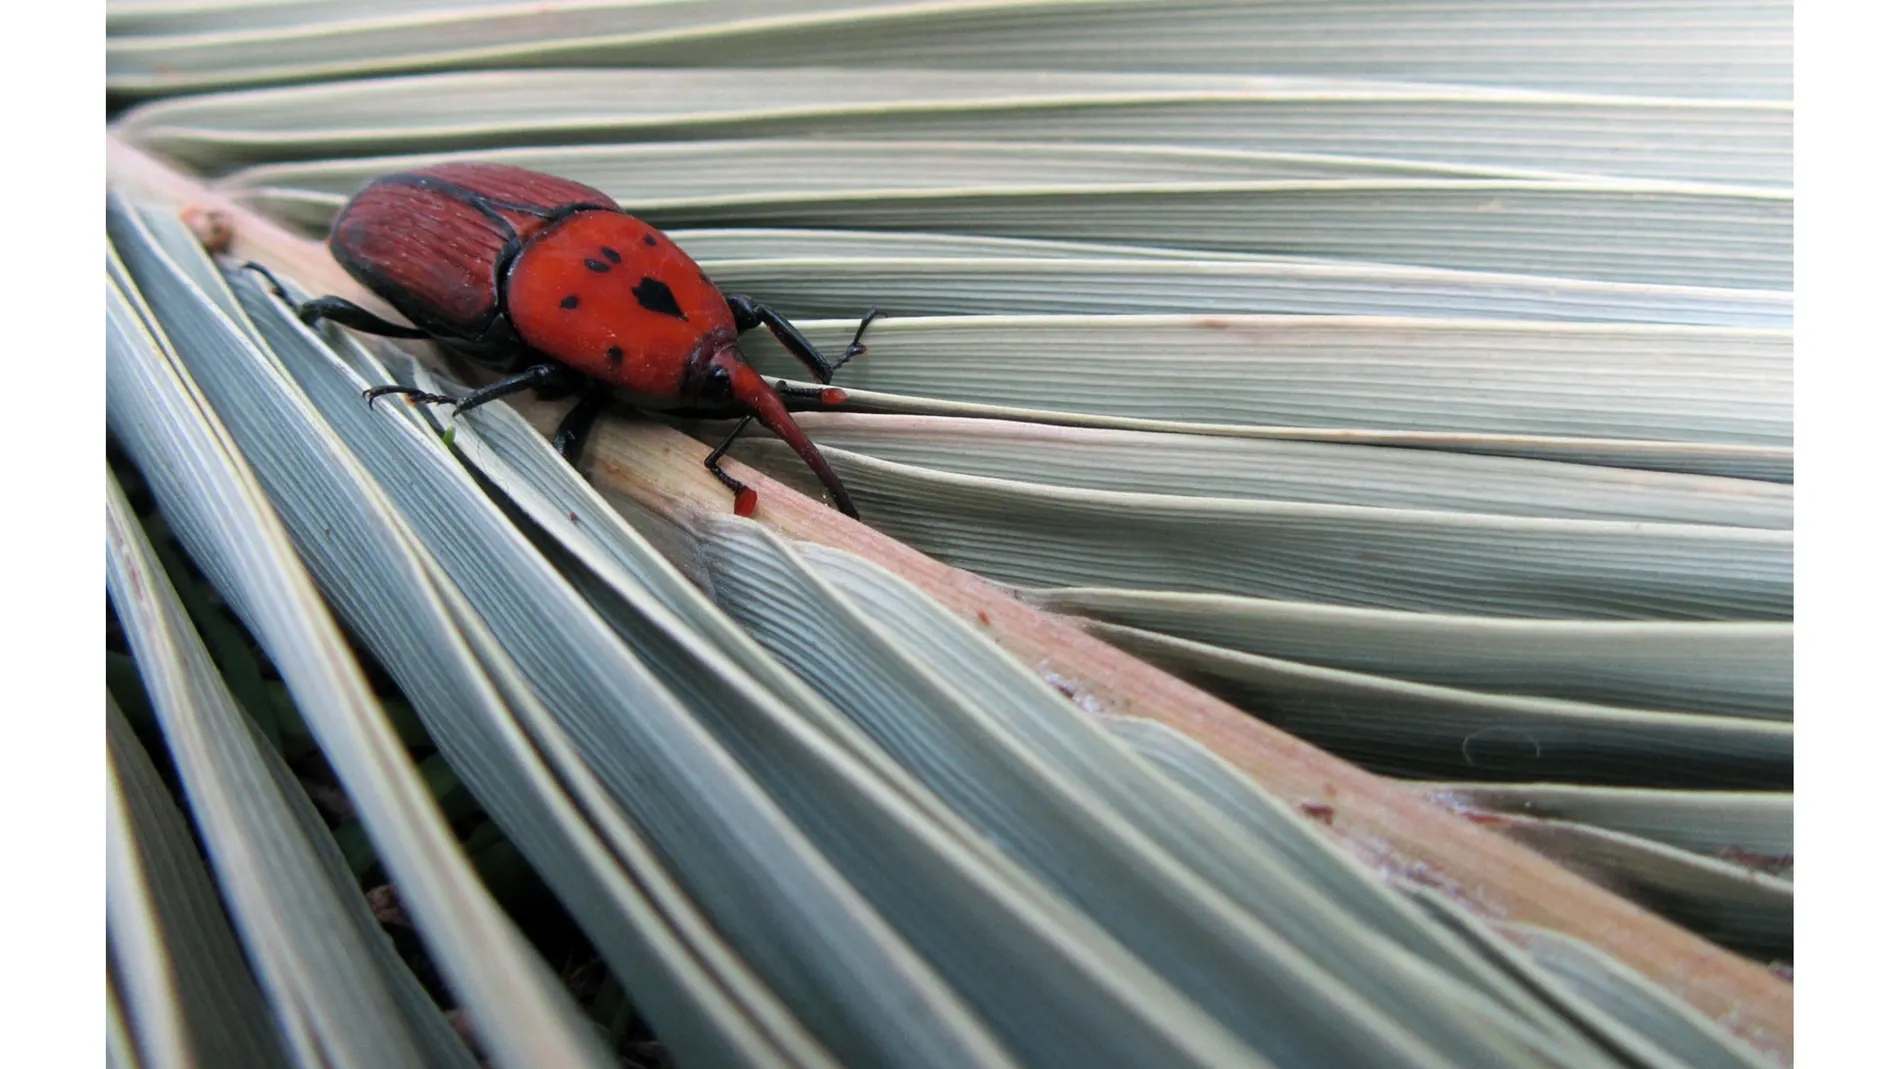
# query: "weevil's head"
(719, 380)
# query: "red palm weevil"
(548, 282)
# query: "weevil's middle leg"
(578, 423)
(549, 379)
(422, 397)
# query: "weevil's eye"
(717, 389)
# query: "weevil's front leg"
(748, 313)
(745, 499)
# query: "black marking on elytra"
(703, 278)
(571, 301)
(615, 354)
(596, 265)
(650, 240)
(610, 254)
(657, 296)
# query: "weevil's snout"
(729, 380)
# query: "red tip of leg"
(831, 395)
(745, 501)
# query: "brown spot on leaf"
(1319, 811)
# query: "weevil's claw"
(415, 396)
(276, 287)
(857, 347)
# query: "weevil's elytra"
(549, 281)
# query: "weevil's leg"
(744, 497)
(354, 317)
(572, 433)
(276, 287)
(819, 395)
(748, 313)
(419, 396)
(350, 315)
(549, 378)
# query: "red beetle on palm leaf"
(549, 282)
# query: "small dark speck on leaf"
(1318, 811)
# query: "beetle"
(547, 281)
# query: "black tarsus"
(420, 396)
(276, 287)
(712, 458)
(547, 379)
(350, 315)
(748, 313)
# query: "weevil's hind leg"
(354, 316)
(745, 499)
(579, 421)
(748, 313)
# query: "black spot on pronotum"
(610, 254)
(571, 301)
(596, 265)
(657, 296)
(650, 240)
(615, 354)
